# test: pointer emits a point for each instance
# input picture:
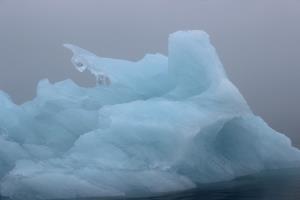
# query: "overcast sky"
(257, 40)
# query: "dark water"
(269, 185)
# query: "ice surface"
(157, 125)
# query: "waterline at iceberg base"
(158, 125)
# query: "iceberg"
(157, 125)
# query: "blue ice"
(160, 124)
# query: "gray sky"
(257, 40)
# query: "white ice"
(161, 124)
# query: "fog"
(257, 40)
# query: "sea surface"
(281, 184)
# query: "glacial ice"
(161, 124)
